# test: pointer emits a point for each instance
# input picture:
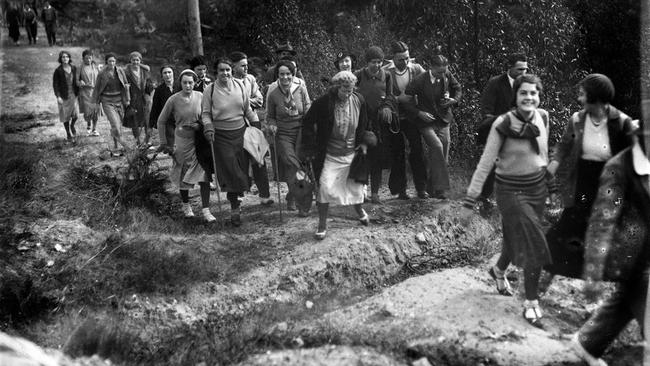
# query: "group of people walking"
(26, 16)
(376, 117)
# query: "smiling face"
(345, 64)
(224, 73)
(285, 78)
(135, 60)
(527, 98)
(187, 83)
(110, 62)
(168, 75)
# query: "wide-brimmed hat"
(341, 55)
(285, 47)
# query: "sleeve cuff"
(469, 202)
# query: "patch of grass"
(104, 337)
(124, 266)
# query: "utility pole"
(194, 21)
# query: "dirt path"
(336, 302)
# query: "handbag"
(359, 168)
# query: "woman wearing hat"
(225, 108)
(185, 108)
(592, 136)
(344, 61)
(141, 87)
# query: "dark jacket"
(496, 99)
(61, 86)
(160, 96)
(414, 70)
(102, 80)
(428, 96)
(317, 128)
(617, 245)
(569, 149)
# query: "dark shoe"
(503, 285)
(235, 220)
(374, 198)
(533, 314)
(403, 196)
(440, 195)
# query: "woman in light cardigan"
(286, 105)
(592, 136)
(224, 111)
(185, 108)
(518, 146)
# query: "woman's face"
(88, 59)
(168, 75)
(284, 76)
(345, 90)
(111, 62)
(345, 64)
(527, 98)
(374, 65)
(135, 60)
(65, 58)
(187, 83)
(224, 72)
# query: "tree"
(194, 20)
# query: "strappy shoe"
(320, 235)
(503, 285)
(533, 314)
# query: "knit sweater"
(277, 110)
(186, 114)
(224, 109)
(511, 156)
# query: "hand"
(552, 167)
(426, 117)
(209, 135)
(386, 115)
(363, 148)
(82, 83)
(447, 102)
(256, 104)
(59, 100)
(465, 215)
(592, 290)
(273, 129)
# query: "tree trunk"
(194, 20)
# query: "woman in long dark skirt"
(224, 109)
(592, 136)
(518, 146)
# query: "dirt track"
(361, 311)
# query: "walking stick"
(216, 181)
(277, 175)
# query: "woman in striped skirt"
(518, 146)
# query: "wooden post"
(194, 20)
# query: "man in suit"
(497, 99)
(403, 71)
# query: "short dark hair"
(438, 60)
(223, 60)
(525, 78)
(109, 55)
(65, 53)
(237, 56)
(87, 52)
(513, 58)
(166, 66)
(288, 64)
(598, 88)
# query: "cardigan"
(102, 80)
(413, 70)
(617, 243)
(569, 150)
(61, 86)
(317, 126)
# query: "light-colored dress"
(69, 109)
(186, 170)
(87, 74)
(335, 187)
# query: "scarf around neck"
(528, 131)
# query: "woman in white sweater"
(518, 146)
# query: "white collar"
(640, 160)
(510, 80)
